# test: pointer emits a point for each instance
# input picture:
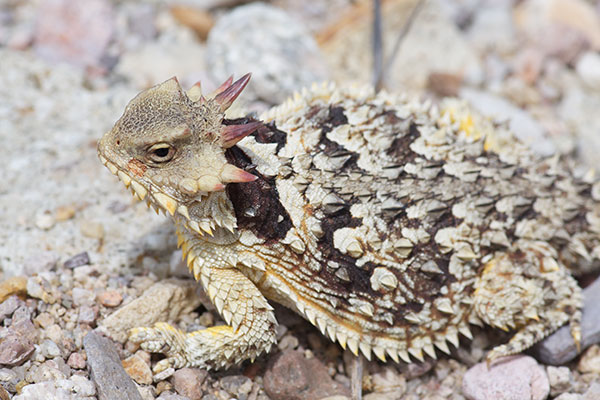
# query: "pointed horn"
(195, 92)
(231, 134)
(223, 86)
(228, 96)
(232, 173)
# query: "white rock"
(514, 377)
(588, 69)
(524, 126)
(262, 39)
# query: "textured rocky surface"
(56, 201)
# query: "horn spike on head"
(228, 96)
(195, 92)
(232, 174)
(223, 86)
(231, 134)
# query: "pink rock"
(515, 377)
(76, 32)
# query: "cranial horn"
(195, 92)
(227, 96)
(231, 173)
(231, 134)
(223, 86)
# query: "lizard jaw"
(161, 201)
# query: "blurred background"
(68, 68)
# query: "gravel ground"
(79, 255)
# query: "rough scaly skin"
(389, 224)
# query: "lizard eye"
(161, 152)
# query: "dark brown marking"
(400, 147)
(256, 204)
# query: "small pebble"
(76, 361)
(8, 306)
(44, 320)
(138, 370)
(188, 382)
(291, 376)
(166, 374)
(15, 285)
(87, 314)
(237, 385)
(288, 342)
(77, 260)
(43, 390)
(64, 213)
(590, 360)
(15, 349)
(110, 298)
(44, 221)
(49, 349)
(560, 379)
(83, 297)
(9, 379)
(91, 229)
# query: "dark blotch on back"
(400, 147)
(256, 204)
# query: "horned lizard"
(390, 224)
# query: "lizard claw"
(164, 339)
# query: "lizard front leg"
(250, 330)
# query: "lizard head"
(169, 146)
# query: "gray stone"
(77, 260)
(272, 44)
(112, 382)
(559, 348)
(514, 377)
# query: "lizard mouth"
(161, 201)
